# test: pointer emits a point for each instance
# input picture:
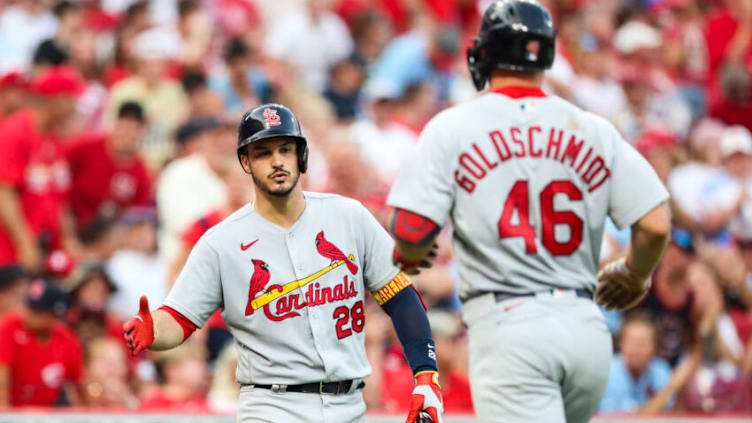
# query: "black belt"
(502, 296)
(332, 388)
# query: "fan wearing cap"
(40, 358)
(34, 175)
(191, 185)
(108, 174)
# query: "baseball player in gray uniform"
(289, 273)
(527, 180)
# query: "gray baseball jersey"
(527, 183)
(292, 298)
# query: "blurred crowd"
(117, 152)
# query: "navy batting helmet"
(514, 34)
(272, 120)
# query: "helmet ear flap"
(475, 64)
(302, 150)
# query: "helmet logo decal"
(271, 117)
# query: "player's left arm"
(395, 293)
(402, 302)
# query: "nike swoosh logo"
(247, 246)
(513, 306)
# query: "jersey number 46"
(518, 199)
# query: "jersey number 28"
(518, 199)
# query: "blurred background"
(117, 152)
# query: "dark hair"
(10, 275)
(235, 48)
(187, 6)
(63, 7)
(131, 110)
(193, 79)
(49, 53)
(141, 6)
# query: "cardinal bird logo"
(259, 279)
(330, 251)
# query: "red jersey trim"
(187, 325)
(520, 92)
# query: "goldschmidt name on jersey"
(535, 142)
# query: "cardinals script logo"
(285, 302)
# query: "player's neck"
(501, 78)
(281, 211)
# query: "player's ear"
(245, 161)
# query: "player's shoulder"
(336, 201)
(230, 223)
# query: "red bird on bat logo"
(330, 251)
(259, 279)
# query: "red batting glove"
(426, 397)
(139, 330)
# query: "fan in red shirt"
(107, 173)
(34, 176)
(729, 38)
(455, 385)
(39, 356)
(184, 377)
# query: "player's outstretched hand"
(620, 288)
(426, 399)
(139, 330)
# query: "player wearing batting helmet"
(289, 272)
(527, 180)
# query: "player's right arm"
(423, 194)
(196, 295)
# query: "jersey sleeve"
(425, 185)
(635, 187)
(376, 252)
(197, 293)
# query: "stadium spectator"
(191, 186)
(163, 99)
(13, 284)
(310, 41)
(183, 382)
(242, 83)
(136, 268)
(371, 32)
(90, 289)
(31, 18)
(108, 174)
(728, 34)
(671, 301)
(13, 93)
(40, 358)
(34, 176)
(637, 374)
(345, 81)
(202, 102)
(717, 383)
(106, 385)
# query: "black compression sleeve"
(411, 323)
